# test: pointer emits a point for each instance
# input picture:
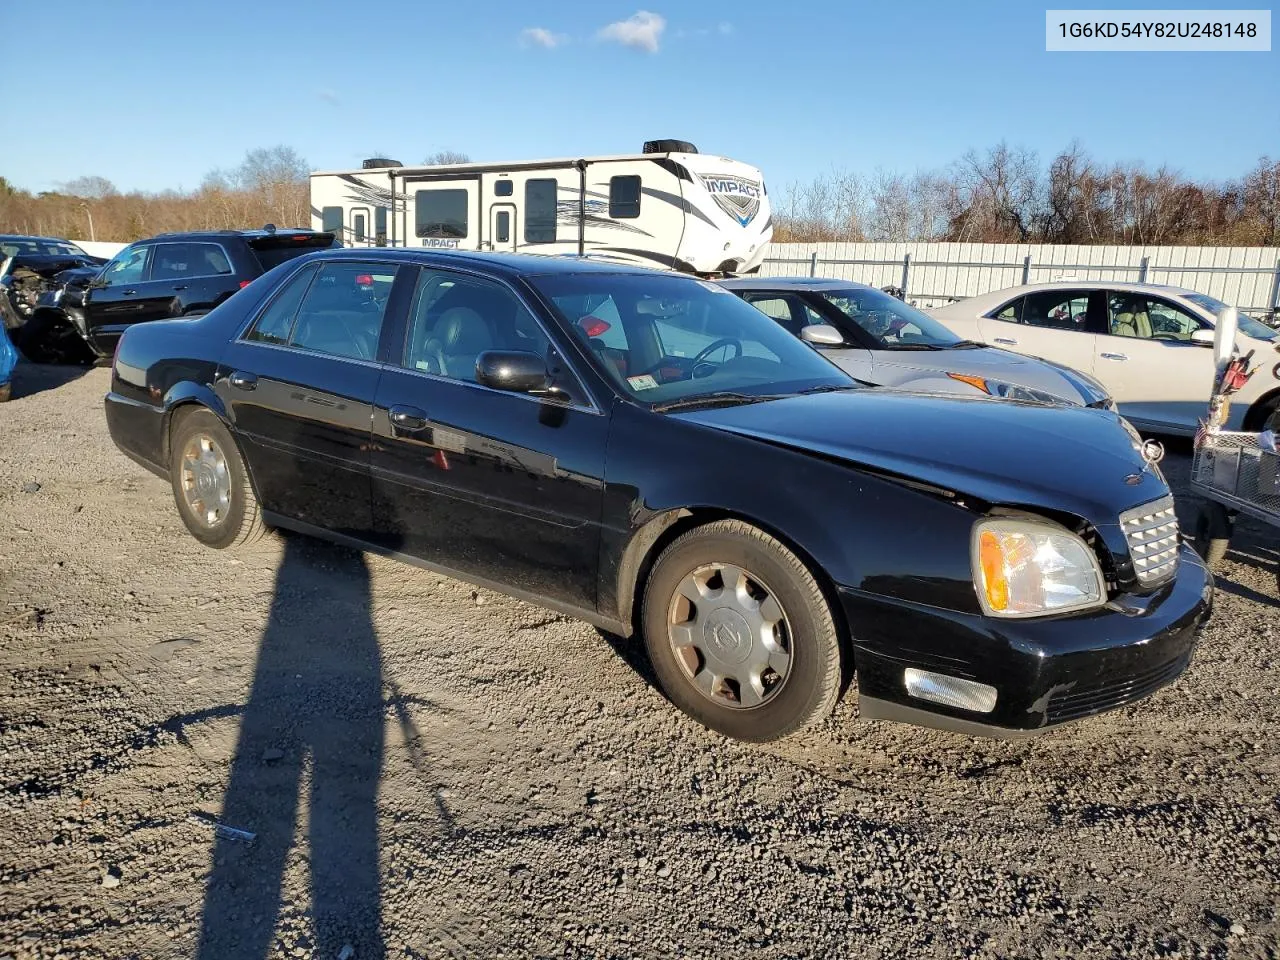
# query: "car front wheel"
(210, 484)
(740, 634)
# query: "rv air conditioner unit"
(374, 162)
(669, 146)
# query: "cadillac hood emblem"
(1152, 451)
(738, 197)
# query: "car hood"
(1084, 462)
(893, 368)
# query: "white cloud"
(542, 37)
(329, 97)
(641, 30)
(725, 28)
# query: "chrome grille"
(1151, 531)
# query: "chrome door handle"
(408, 418)
(1005, 340)
(1114, 356)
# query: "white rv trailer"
(669, 206)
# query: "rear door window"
(182, 261)
(275, 323)
(1057, 309)
(341, 314)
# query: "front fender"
(877, 534)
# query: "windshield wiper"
(965, 345)
(913, 346)
(826, 388)
(721, 398)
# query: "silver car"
(1150, 344)
(879, 339)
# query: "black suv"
(177, 275)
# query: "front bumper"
(1046, 671)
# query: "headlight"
(1009, 391)
(1029, 568)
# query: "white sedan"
(1150, 345)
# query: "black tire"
(240, 523)
(49, 337)
(1214, 526)
(1265, 416)
(808, 691)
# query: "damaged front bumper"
(1044, 672)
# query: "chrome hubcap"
(730, 635)
(205, 480)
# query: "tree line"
(1001, 195)
(270, 185)
(1007, 195)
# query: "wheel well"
(184, 408)
(1256, 418)
(674, 524)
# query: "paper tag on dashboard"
(642, 382)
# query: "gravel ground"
(432, 771)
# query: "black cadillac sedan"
(648, 452)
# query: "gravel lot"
(433, 771)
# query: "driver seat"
(455, 345)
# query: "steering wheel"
(717, 345)
(1165, 336)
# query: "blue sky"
(152, 95)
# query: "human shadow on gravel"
(313, 723)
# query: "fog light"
(950, 691)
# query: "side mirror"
(1203, 337)
(514, 370)
(821, 335)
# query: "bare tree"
(444, 157)
(90, 188)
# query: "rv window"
(504, 227)
(624, 198)
(442, 213)
(503, 188)
(331, 220)
(358, 225)
(540, 211)
(380, 223)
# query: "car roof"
(219, 234)
(1124, 286)
(505, 264)
(28, 236)
(790, 283)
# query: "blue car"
(8, 360)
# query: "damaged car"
(34, 273)
(768, 527)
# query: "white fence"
(933, 273)
(100, 248)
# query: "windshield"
(662, 338)
(1245, 323)
(892, 323)
(33, 246)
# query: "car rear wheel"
(740, 633)
(210, 484)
